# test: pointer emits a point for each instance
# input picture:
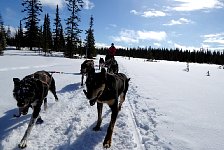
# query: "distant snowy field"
(165, 108)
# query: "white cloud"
(214, 38)
(53, 3)
(153, 13)
(157, 44)
(183, 47)
(132, 36)
(100, 45)
(202, 47)
(151, 35)
(175, 45)
(61, 3)
(128, 36)
(179, 22)
(192, 5)
(205, 45)
(149, 13)
(88, 4)
(210, 47)
(134, 12)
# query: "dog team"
(107, 86)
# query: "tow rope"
(52, 72)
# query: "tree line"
(149, 53)
(41, 37)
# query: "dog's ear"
(16, 81)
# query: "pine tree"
(90, 41)
(61, 40)
(20, 37)
(57, 30)
(8, 33)
(47, 35)
(40, 39)
(2, 36)
(72, 28)
(33, 9)
(10, 39)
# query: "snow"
(165, 108)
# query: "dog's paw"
(84, 91)
(107, 144)
(22, 144)
(39, 121)
(92, 102)
(96, 129)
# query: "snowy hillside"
(165, 108)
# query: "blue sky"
(187, 24)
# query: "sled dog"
(32, 91)
(86, 66)
(103, 87)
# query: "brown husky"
(102, 88)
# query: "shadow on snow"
(88, 139)
(8, 122)
(70, 88)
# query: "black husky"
(86, 66)
(102, 88)
(101, 63)
(112, 65)
(32, 91)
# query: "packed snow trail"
(68, 123)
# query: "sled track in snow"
(143, 118)
(135, 124)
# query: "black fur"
(32, 91)
(101, 63)
(102, 88)
(86, 66)
(112, 65)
